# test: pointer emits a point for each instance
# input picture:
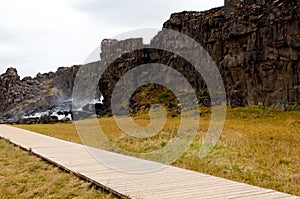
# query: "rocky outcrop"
(256, 47)
(21, 97)
(131, 59)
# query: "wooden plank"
(270, 195)
(163, 182)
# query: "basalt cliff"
(27, 96)
(255, 45)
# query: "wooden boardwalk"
(168, 182)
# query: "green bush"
(293, 106)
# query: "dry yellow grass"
(65, 131)
(23, 175)
(258, 146)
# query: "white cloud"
(39, 36)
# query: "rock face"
(131, 59)
(20, 97)
(255, 45)
(233, 5)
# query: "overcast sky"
(42, 35)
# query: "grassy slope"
(23, 175)
(258, 146)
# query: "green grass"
(23, 175)
(258, 146)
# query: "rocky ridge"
(23, 97)
(254, 45)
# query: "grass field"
(258, 146)
(23, 175)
